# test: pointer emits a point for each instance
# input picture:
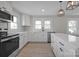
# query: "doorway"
(42, 25)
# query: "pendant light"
(72, 5)
(61, 11)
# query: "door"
(42, 25)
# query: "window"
(14, 23)
(38, 25)
(72, 26)
(46, 24)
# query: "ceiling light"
(71, 5)
(61, 11)
(43, 10)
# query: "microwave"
(4, 16)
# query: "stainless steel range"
(8, 45)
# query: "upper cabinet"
(5, 6)
(26, 20)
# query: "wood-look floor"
(36, 50)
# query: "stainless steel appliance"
(5, 16)
(8, 45)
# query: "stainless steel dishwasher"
(49, 36)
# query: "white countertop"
(70, 39)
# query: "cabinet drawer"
(57, 51)
(60, 52)
(62, 44)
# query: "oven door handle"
(8, 39)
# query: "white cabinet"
(37, 36)
(21, 43)
(58, 51)
(26, 20)
(23, 39)
(62, 47)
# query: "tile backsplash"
(3, 26)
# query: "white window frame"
(14, 23)
(72, 26)
(47, 24)
(38, 25)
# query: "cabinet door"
(58, 51)
(25, 38)
(21, 43)
(25, 20)
(55, 49)
(52, 38)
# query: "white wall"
(61, 24)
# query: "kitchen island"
(64, 45)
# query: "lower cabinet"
(61, 48)
(23, 40)
(57, 51)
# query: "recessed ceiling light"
(43, 10)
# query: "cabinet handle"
(61, 49)
(61, 43)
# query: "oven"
(3, 34)
(9, 45)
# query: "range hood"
(5, 16)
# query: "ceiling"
(34, 7)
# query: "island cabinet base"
(62, 47)
(57, 52)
